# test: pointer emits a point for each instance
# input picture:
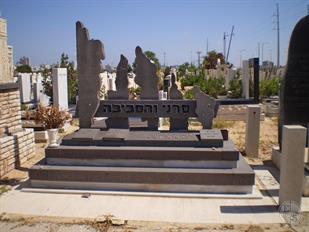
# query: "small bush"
(235, 88)
(269, 87)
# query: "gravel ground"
(35, 225)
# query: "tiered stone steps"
(191, 169)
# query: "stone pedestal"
(253, 131)
(60, 88)
(37, 91)
(292, 164)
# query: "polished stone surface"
(89, 56)
(294, 93)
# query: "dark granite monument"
(89, 56)
(294, 93)
(174, 93)
(123, 156)
(121, 93)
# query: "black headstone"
(254, 63)
(294, 94)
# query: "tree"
(210, 61)
(152, 56)
(72, 77)
(182, 69)
(24, 69)
(167, 71)
(47, 82)
(235, 88)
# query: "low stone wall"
(16, 144)
(15, 150)
(10, 117)
(234, 113)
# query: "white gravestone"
(292, 164)
(245, 79)
(25, 87)
(37, 91)
(60, 88)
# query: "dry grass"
(268, 136)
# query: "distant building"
(24, 61)
(6, 55)
(267, 65)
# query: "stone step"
(123, 156)
(234, 180)
(125, 137)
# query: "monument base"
(276, 159)
(122, 162)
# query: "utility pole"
(191, 57)
(259, 50)
(228, 50)
(199, 58)
(207, 47)
(224, 44)
(278, 34)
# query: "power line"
(228, 50)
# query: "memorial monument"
(294, 94)
(122, 155)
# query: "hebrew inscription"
(147, 108)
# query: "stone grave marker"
(60, 88)
(24, 87)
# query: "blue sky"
(43, 29)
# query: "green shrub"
(235, 88)
(270, 87)
(189, 94)
(211, 86)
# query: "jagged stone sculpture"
(174, 93)
(89, 56)
(121, 93)
(148, 80)
(205, 107)
(122, 82)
